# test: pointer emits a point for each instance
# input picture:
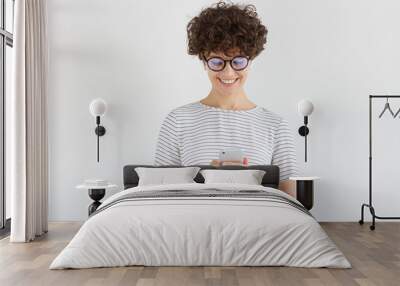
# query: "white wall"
(133, 54)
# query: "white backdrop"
(133, 55)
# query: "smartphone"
(231, 154)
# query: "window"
(6, 44)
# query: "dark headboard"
(270, 179)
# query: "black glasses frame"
(225, 61)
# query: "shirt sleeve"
(284, 152)
(167, 150)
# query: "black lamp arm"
(303, 131)
(100, 131)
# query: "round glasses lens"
(216, 64)
(239, 63)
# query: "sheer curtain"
(28, 150)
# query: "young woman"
(226, 38)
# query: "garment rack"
(370, 205)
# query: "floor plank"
(374, 255)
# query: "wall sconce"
(98, 107)
(305, 108)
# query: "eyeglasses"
(237, 63)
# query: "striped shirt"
(195, 133)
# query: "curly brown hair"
(224, 27)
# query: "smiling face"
(227, 81)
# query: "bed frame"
(270, 179)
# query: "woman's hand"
(215, 163)
(218, 163)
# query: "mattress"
(201, 225)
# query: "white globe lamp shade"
(98, 107)
(305, 107)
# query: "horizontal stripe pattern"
(195, 133)
(206, 194)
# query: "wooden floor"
(374, 255)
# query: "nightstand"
(305, 190)
(96, 193)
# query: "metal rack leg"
(361, 221)
(372, 210)
(374, 216)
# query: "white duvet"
(193, 231)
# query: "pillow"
(163, 176)
(249, 177)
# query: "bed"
(198, 224)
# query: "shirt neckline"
(226, 110)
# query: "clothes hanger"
(397, 113)
(387, 107)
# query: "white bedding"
(200, 231)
